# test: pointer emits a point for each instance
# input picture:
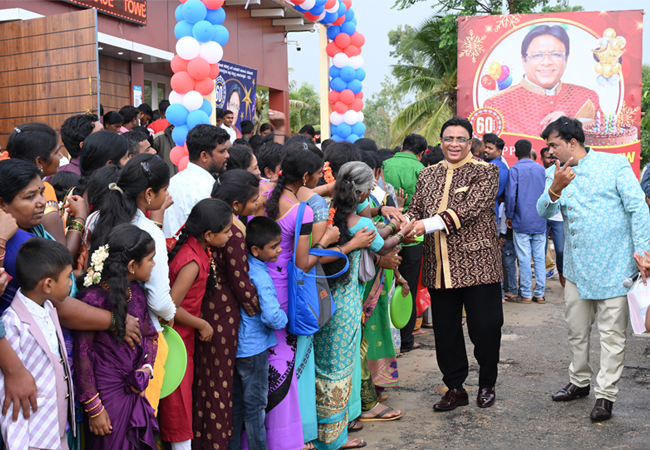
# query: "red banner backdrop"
(516, 73)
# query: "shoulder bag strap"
(299, 216)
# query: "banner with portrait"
(235, 89)
(517, 73)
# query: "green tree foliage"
(304, 106)
(475, 7)
(645, 118)
(380, 110)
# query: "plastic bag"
(638, 299)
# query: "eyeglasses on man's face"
(460, 140)
(553, 56)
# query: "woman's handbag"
(366, 266)
(309, 307)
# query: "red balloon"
(340, 107)
(179, 64)
(347, 96)
(329, 4)
(182, 164)
(204, 86)
(298, 2)
(357, 39)
(198, 68)
(348, 4)
(182, 82)
(356, 105)
(177, 153)
(334, 96)
(213, 4)
(332, 49)
(359, 96)
(342, 40)
(309, 16)
(488, 82)
(339, 21)
(351, 50)
(214, 71)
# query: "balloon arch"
(201, 37)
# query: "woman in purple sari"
(111, 377)
(298, 168)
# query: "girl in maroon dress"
(215, 361)
(208, 225)
(111, 377)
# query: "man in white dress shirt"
(228, 119)
(208, 148)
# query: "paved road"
(534, 361)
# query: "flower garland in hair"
(330, 220)
(4, 155)
(327, 173)
(94, 274)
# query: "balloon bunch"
(498, 76)
(347, 73)
(608, 54)
(201, 36)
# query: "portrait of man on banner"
(541, 96)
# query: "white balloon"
(351, 117)
(211, 52)
(340, 60)
(308, 4)
(334, 8)
(356, 62)
(336, 118)
(175, 97)
(193, 100)
(188, 48)
(360, 116)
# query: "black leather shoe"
(485, 397)
(570, 392)
(602, 410)
(452, 399)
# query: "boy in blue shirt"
(251, 378)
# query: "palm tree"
(431, 78)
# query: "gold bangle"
(553, 193)
(400, 237)
(75, 225)
(88, 401)
(393, 227)
(92, 417)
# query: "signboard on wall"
(517, 73)
(235, 90)
(130, 10)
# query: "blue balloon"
(348, 28)
(342, 9)
(203, 31)
(505, 84)
(359, 128)
(299, 9)
(337, 84)
(332, 32)
(349, 15)
(179, 13)
(330, 18)
(343, 130)
(336, 138)
(352, 138)
(197, 117)
(182, 29)
(317, 10)
(335, 72)
(194, 11)
(221, 35)
(176, 114)
(320, 2)
(360, 74)
(354, 21)
(179, 134)
(347, 74)
(333, 130)
(206, 107)
(216, 16)
(355, 86)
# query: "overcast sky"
(376, 19)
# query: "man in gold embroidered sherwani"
(454, 206)
(541, 97)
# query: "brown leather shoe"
(485, 397)
(570, 392)
(452, 399)
(602, 410)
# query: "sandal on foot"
(355, 426)
(539, 300)
(361, 444)
(380, 417)
(519, 300)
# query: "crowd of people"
(102, 253)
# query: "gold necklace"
(106, 287)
